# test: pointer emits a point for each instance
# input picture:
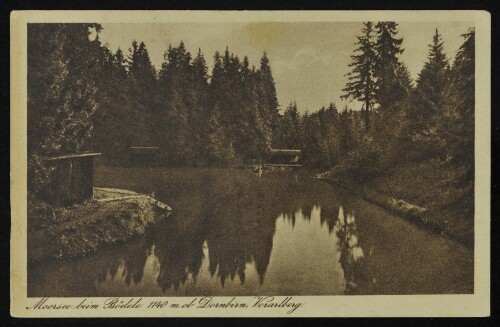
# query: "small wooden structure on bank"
(285, 157)
(143, 155)
(72, 179)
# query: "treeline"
(194, 119)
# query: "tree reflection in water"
(352, 257)
(234, 224)
(233, 233)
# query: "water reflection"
(352, 255)
(230, 234)
(305, 248)
(233, 233)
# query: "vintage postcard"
(250, 164)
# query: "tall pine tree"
(387, 65)
(458, 126)
(268, 89)
(143, 87)
(176, 99)
(362, 82)
(460, 114)
(431, 82)
(199, 114)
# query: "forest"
(82, 96)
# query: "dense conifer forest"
(82, 96)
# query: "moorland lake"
(233, 232)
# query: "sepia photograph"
(251, 158)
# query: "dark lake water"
(233, 232)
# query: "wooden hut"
(143, 155)
(72, 179)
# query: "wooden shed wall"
(72, 180)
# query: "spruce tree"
(200, 113)
(140, 66)
(123, 119)
(258, 129)
(362, 83)
(119, 62)
(176, 101)
(459, 123)
(431, 83)
(330, 143)
(291, 127)
(428, 106)
(269, 97)
(143, 88)
(387, 65)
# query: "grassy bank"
(423, 193)
(84, 228)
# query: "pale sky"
(308, 60)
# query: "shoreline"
(412, 213)
(112, 216)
